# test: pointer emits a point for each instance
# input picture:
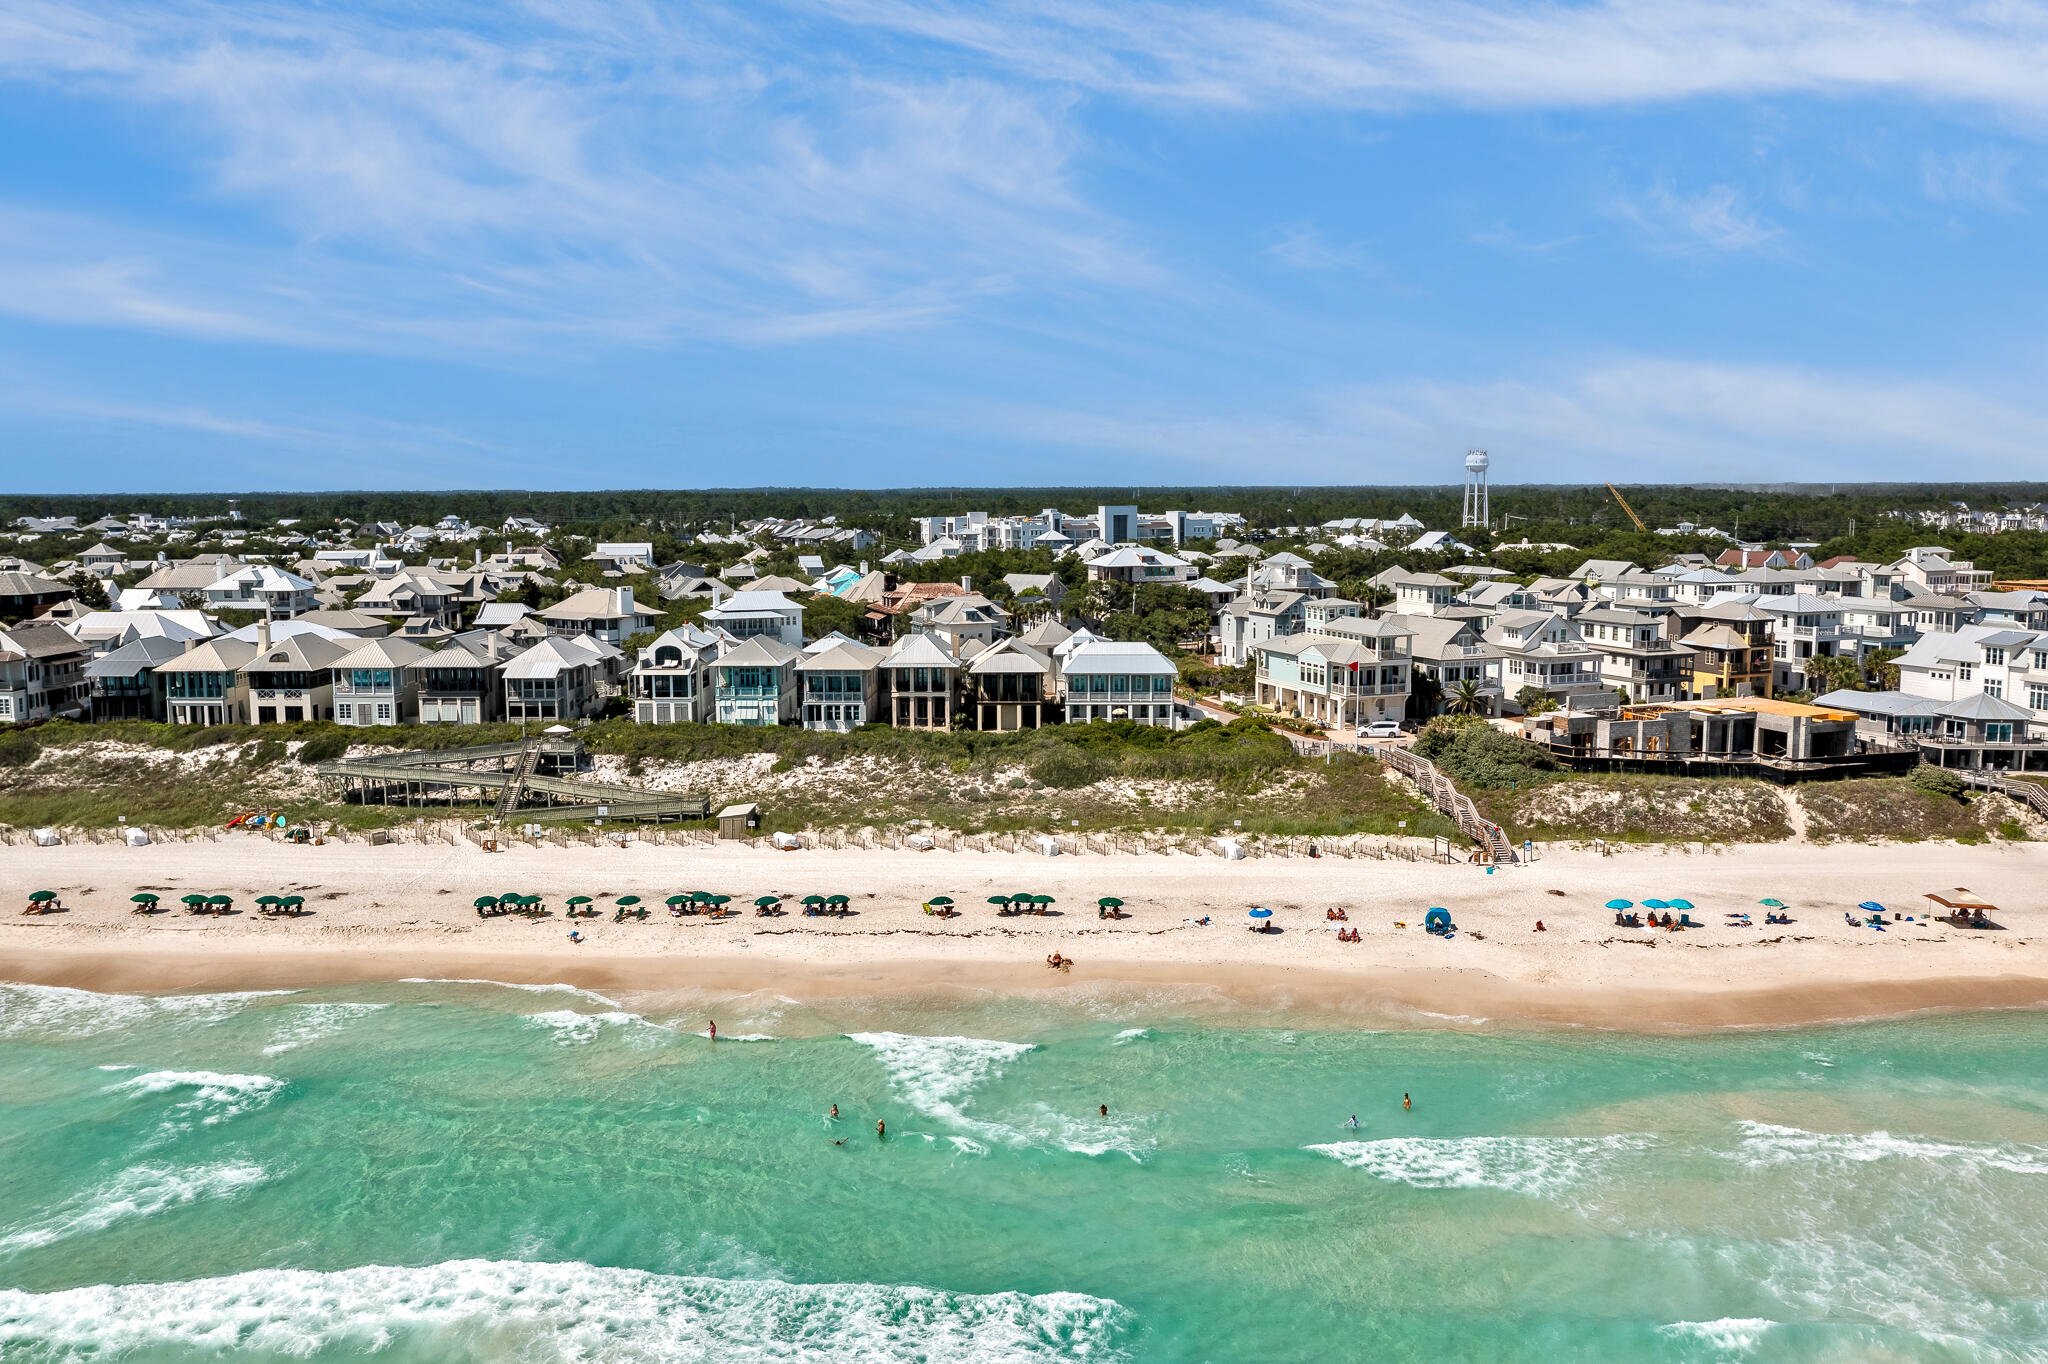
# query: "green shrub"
(324, 747)
(18, 749)
(1937, 781)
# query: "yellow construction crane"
(1627, 508)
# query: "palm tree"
(1464, 698)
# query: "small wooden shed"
(738, 821)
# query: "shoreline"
(383, 914)
(1395, 998)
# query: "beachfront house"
(292, 679)
(963, 619)
(1251, 620)
(460, 682)
(42, 675)
(1358, 672)
(1542, 650)
(1113, 680)
(556, 680)
(1450, 652)
(1011, 686)
(203, 685)
(921, 681)
(1634, 656)
(841, 686)
(756, 683)
(670, 679)
(375, 683)
(123, 681)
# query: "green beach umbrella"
(838, 900)
(486, 902)
(672, 900)
(940, 900)
(292, 901)
(628, 900)
(511, 897)
(268, 900)
(1109, 902)
(42, 896)
(721, 899)
(219, 900)
(579, 899)
(1772, 904)
(700, 897)
(1000, 901)
(142, 899)
(762, 902)
(813, 900)
(1043, 900)
(191, 899)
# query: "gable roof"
(919, 651)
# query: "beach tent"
(1437, 921)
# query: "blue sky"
(898, 242)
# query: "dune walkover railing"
(1437, 789)
(512, 778)
(2028, 793)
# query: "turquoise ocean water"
(473, 1172)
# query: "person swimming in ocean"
(1406, 1103)
(840, 1142)
(835, 1112)
(881, 1129)
(1103, 1109)
(1352, 1122)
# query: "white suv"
(1380, 729)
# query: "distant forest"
(1768, 513)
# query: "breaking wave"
(310, 1022)
(142, 1191)
(1768, 1144)
(557, 1313)
(572, 1029)
(935, 1075)
(33, 1010)
(1537, 1166)
(214, 1098)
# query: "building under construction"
(1781, 739)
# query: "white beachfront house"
(1113, 680)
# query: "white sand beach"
(405, 910)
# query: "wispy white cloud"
(1973, 175)
(1381, 53)
(1302, 246)
(1717, 219)
(562, 172)
(1650, 417)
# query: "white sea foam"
(305, 1023)
(572, 1029)
(742, 1036)
(935, 1075)
(1537, 1166)
(214, 1098)
(141, 1191)
(556, 1313)
(1130, 1035)
(1767, 1144)
(32, 1010)
(1725, 1336)
(510, 985)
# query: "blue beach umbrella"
(1621, 904)
(1262, 914)
(1656, 904)
(1678, 904)
(1873, 906)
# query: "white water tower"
(1478, 512)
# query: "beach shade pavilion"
(1960, 902)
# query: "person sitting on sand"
(1540, 928)
(575, 936)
